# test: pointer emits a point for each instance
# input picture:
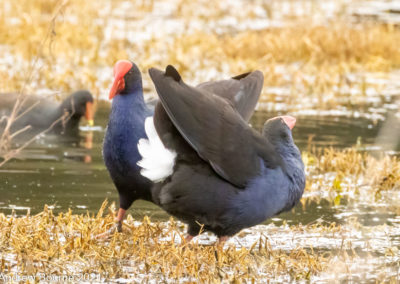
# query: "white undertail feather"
(157, 161)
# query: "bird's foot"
(117, 227)
(120, 218)
(188, 238)
(219, 246)
(222, 240)
(186, 242)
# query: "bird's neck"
(126, 124)
(295, 172)
(129, 110)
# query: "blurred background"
(334, 65)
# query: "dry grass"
(359, 176)
(65, 245)
(309, 59)
(340, 44)
(312, 60)
(6, 137)
(382, 171)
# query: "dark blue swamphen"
(40, 113)
(222, 173)
(127, 126)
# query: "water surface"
(69, 173)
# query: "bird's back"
(39, 111)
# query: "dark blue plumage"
(125, 129)
(226, 176)
(127, 126)
(41, 113)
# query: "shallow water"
(69, 173)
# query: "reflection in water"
(70, 173)
(86, 143)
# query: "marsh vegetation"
(332, 64)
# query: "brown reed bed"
(314, 61)
(66, 245)
(311, 59)
(353, 175)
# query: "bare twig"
(6, 137)
(15, 152)
(20, 131)
(26, 111)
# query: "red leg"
(117, 226)
(188, 238)
(222, 240)
(120, 218)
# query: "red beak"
(120, 69)
(289, 120)
(117, 86)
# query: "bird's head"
(79, 104)
(127, 78)
(278, 130)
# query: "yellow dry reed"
(66, 244)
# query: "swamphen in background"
(222, 173)
(127, 126)
(45, 112)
